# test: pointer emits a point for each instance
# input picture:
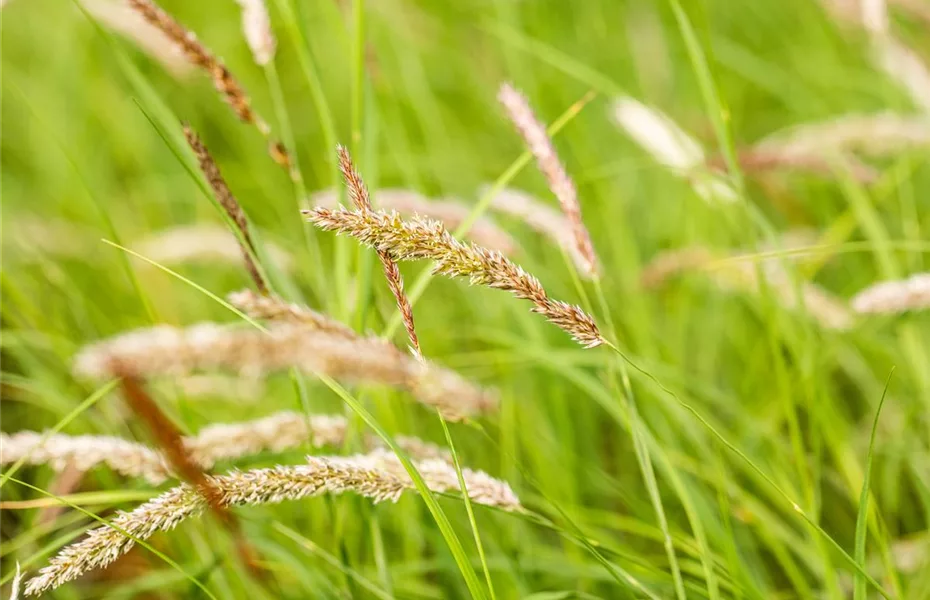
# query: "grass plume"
(378, 476)
(286, 430)
(169, 351)
(420, 239)
(893, 297)
(562, 186)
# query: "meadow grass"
(723, 441)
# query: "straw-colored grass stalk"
(221, 441)
(378, 476)
(202, 243)
(420, 239)
(893, 297)
(223, 79)
(451, 212)
(170, 351)
(562, 186)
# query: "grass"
(729, 448)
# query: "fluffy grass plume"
(358, 192)
(229, 203)
(378, 476)
(285, 430)
(256, 28)
(276, 309)
(169, 351)
(880, 134)
(892, 297)
(224, 81)
(743, 275)
(562, 186)
(118, 16)
(420, 239)
(202, 244)
(671, 147)
(451, 212)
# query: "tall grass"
(725, 438)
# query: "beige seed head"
(168, 351)
(278, 432)
(419, 239)
(451, 212)
(540, 145)
(273, 308)
(202, 243)
(893, 297)
(904, 66)
(878, 134)
(256, 28)
(376, 476)
(671, 147)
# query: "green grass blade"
(862, 515)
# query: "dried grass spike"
(420, 239)
(540, 144)
(893, 297)
(358, 192)
(229, 203)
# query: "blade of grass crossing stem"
(859, 592)
(468, 506)
(196, 286)
(80, 408)
(423, 280)
(186, 157)
(142, 543)
(445, 527)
